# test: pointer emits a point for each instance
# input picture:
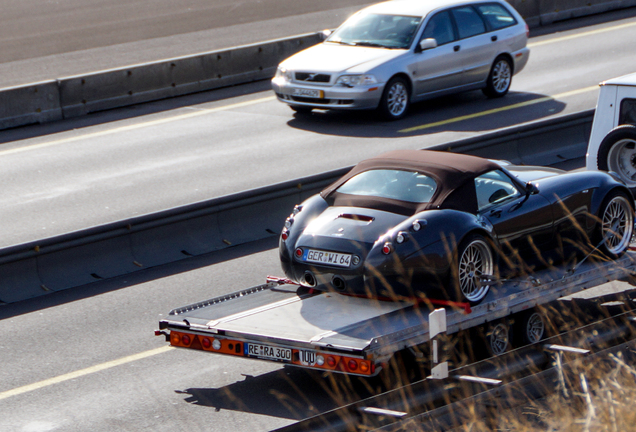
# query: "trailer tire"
(498, 338)
(531, 328)
(617, 153)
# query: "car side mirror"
(532, 188)
(426, 44)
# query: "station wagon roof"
(626, 80)
(414, 7)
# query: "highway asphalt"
(87, 359)
(109, 166)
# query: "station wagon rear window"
(496, 16)
(409, 186)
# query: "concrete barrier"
(103, 252)
(544, 12)
(176, 77)
(32, 103)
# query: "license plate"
(269, 352)
(309, 93)
(329, 258)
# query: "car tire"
(301, 110)
(475, 258)
(499, 78)
(616, 224)
(617, 153)
(395, 99)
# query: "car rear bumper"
(333, 97)
(521, 59)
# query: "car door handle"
(495, 213)
(456, 48)
(493, 38)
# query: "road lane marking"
(497, 110)
(198, 112)
(83, 372)
(578, 35)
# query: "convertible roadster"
(420, 223)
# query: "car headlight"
(354, 80)
(284, 74)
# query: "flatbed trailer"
(328, 331)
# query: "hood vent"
(361, 218)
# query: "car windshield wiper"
(369, 44)
(342, 42)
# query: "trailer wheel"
(616, 224)
(532, 327)
(498, 338)
(617, 153)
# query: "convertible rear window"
(409, 186)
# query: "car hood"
(338, 225)
(330, 57)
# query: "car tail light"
(206, 342)
(386, 249)
(364, 367)
(299, 252)
(331, 362)
(186, 339)
(401, 237)
(285, 234)
(527, 31)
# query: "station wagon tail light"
(354, 80)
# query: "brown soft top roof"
(450, 171)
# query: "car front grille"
(312, 77)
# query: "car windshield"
(409, 186)
(375, 30)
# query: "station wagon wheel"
(499, 79)
(475, 259)
(617, 223)
(395, 99)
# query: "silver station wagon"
(393, 53)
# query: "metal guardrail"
(102, 252)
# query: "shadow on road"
(464, 112)
(285, 393)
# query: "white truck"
(612, 145)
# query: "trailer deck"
(331, 331)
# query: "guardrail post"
(438, 341)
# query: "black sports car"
(428, 223)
